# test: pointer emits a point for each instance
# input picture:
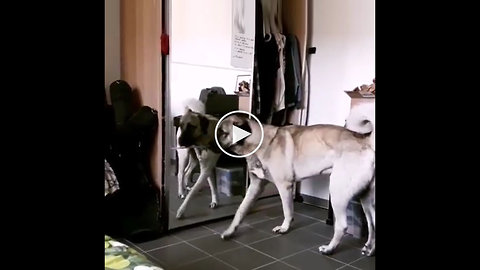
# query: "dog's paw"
(325, 250)
(368, 251)
(226, 235)
(180, 213)
(280, 229)
(213, 205)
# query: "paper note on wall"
(242, 51)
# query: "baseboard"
(319, 202)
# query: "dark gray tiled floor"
(175, 255)
(255, 246)
(306, 260)
(277, 265)
(365, 263)
(245, 258)
(213, 244)
(343, 253)
(209, 263)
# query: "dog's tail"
(195, 105)
(362, 120)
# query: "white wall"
(112, 43)
(200, 49)
(343, 31)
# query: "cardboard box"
(231, 179)
(356, 221)
(357, 98)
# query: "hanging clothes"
(268, 66)
(293, 73)
(277, 66)
(279, 115)
(267, 61)
(256, 93)
(279, 103)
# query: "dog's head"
(195, 129)
(225, 134)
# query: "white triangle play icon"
(239, 134)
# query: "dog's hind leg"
(350, 176)
(286, 194)
(196, 187)
(368, 204)
(206, 169)
(254, 190)
(340, 197)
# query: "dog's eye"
(222, 133)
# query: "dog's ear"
(242, 123)
(204, 123)
(245, 126)
(188, 110)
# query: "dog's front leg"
(368, 204)
(286, 195)
(254, 190)
(213, 191)
(182, 163)
(192, 164)
(201, 179)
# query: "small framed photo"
(243, 85)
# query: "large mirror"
(209, 70)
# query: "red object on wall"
(165, 44)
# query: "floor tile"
(176, 255)
(367, 263)
(268, 225)
(208, 263)
(219, 226)
(160, 242)
(278, 265)
(255, 217)
(311, 211)
(274, 212)
(305, 238)
(298, 223)
(193, 232)
(278, 247)
(244, 258)
(347, 267)
(308, 260)
(354, 242)
(322, 229)
(343, 253)
(214, 244)
(248, 235)
(301, 221)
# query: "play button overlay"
(238, 134)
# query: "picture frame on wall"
(243, 85)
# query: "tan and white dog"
(294, 153)
(190, 157)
